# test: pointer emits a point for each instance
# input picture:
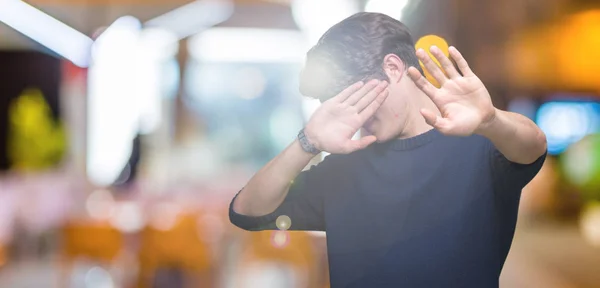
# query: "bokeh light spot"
(283, 222)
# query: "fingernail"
(432, 47)
(374, 81)
(384, 83)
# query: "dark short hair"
(353, 50)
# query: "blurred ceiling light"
(248, 45)
(159, 43)
(156, 48)
(123, 31)
(125, 86)
(113, 116)
(194, 17)
(314, 17)
(46, 30)
(392, 8)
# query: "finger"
(362, 143)
(422, 82)
(348, 91)
(371, 96)
(460, 61)
(445, 62)
(430, 65)
(368, 112)
(430, 117)
(436, 121)
(357, 95)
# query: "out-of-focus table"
(551, 255)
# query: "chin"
(380, 134)
(381, 137)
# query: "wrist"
(489, 123)
(307, 156)
(307, 142)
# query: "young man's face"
(387, 123)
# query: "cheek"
(389, 108)
(387, 113)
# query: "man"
(429, 197)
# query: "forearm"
(268, 188)
(516, 137)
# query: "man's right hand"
(330, 129)
(332, 126)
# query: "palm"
(463, 101)
(332, 126)
(338, 122)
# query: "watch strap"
(306, 145)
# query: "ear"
(393, 67)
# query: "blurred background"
(126, 127)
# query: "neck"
(415, 123)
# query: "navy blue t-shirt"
(428, 211)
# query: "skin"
(406, 106)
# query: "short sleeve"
(304, 203)
(510, 175)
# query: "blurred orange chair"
(3, 256)
(292, 249)
(96, 241)
(178, 246)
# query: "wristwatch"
(306, 145)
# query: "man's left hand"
(464, 102)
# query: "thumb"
(361, 143)
(430, 117)
(436, 121)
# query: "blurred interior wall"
(484, 27)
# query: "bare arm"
(330, 129)
(516, 137)
(267, 189)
